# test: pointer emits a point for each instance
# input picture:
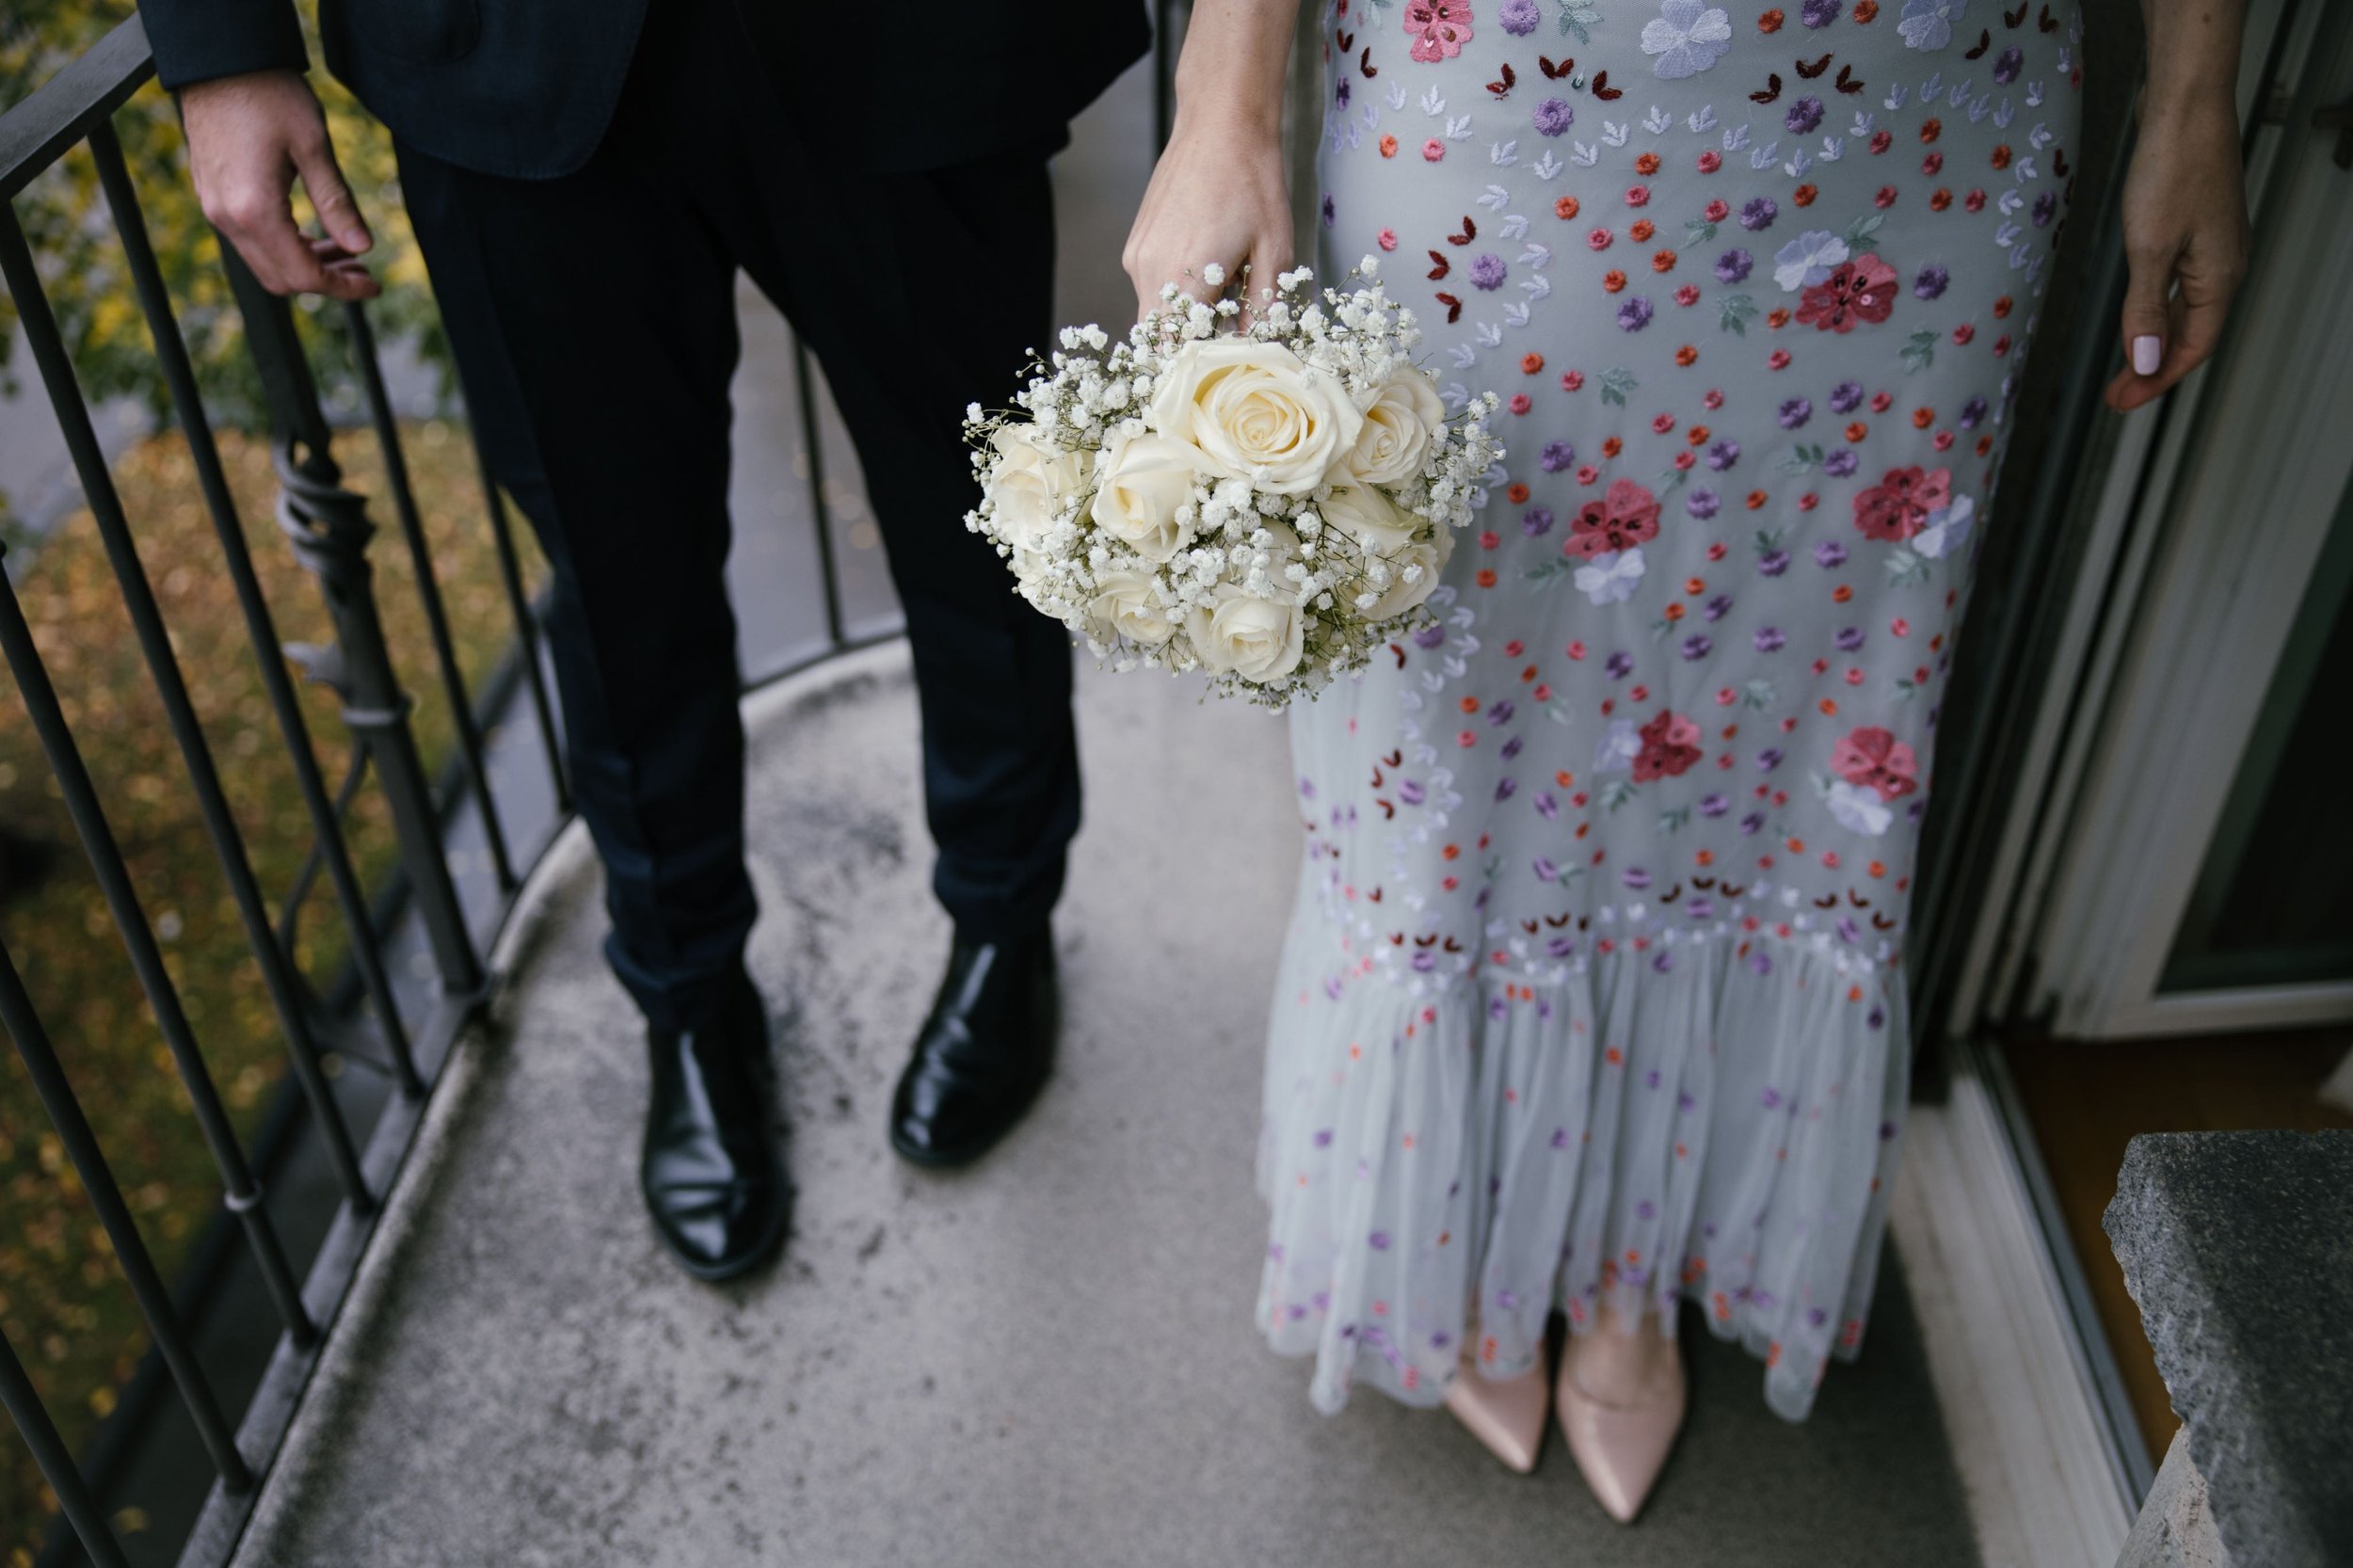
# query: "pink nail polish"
(2147, 352)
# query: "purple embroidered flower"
(1759, 212)
(1718, 607)
(1771, 1098)
(1829, 553)
(1430, 638)
(1734, 265)
(1544, 870)
(1714, 805)
(1512, 747)
(1697, 646)
(1840, 461)
(1620, 665)
(1328, 211)
(1340, 94)
(1559, 947)
(1849, 932)
(1634, 877)
(1772, 563)
(1932, 281)
(1702, 503)
(1554, 115)
(1645, 1210)
(1751, 824)
(1506, 787)
(1846, 397)
(1795, 411)
(1536, 522)
(1378, 1241)
(2006, 66)
(1519, 17)
(1972, 413)
(1820, 13)
(1769, 639)
(1501, 713)
(1424, 961)
(1849, 639)
(1323, 1138)
(1556, 457)
(2045, 209)
(1546, 806)
(1410, 792)
(1486, 270)
(1804, 114)
(1767, 759)
(1723, 455)
(1634, 314)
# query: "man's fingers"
(339, 214)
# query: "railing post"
(329, 527)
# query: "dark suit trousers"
(593, 321)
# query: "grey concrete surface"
(1045, 1360)
(2238, 1250)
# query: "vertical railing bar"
(825, 567)
(243, 1193)
(23, 1402)
(328, 529)
(527, 630)
(428, 589)
(19, 1017)
(187, 731)
(261, 630)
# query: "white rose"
(1252, 408)
(1143, 481)
(1399, 426)
(1369, 516)
(1259, 639)
(1126, 605)
(1430, 555)
(1030, 484)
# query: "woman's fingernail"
(2147, 352)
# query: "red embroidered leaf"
(1501, 87)
(2011, 19)
(2048, 22)
(1985, 42)
(1364, 63)
(2058, 162)
(1810, 72)
(1603, 90)
(1439, 266)
(1773, 90)
(1554, 72)
(1346, 41)
(1471, 232)
(1453, 308)
(1847, 82)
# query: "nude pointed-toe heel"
(1507, 1416)
(1619, 1448)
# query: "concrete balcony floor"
(1045, 1360)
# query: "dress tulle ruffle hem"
(1711, 1116)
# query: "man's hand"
(250, 138)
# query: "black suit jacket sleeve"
(195, 40)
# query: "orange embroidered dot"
(1640, 230)
(1532, 363)
(1922, 418)
(1770, 22)
(1663, 261)
(1613, 280)
(1388, 147)
(1565, 207)
(1686, 355)
(1803, 196)
(1856, 431)
(1646, 164)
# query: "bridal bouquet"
(1270, 505)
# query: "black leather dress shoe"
(984, 1053)
(711, 1170)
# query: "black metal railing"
(329, 528)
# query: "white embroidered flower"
(1946, 527)
(1859, 808)
(1685, 37)
(1620, 745)
(1611, 578)
(1143, 494)
(1929, 23)
(1809, 258)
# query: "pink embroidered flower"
(1622, 518)
(1439, 28)
(1899, 505)
(1862, 289)
(1671, 743)
(1874, 759)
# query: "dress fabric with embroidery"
(1593, 992)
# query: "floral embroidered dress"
(1593, 990)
